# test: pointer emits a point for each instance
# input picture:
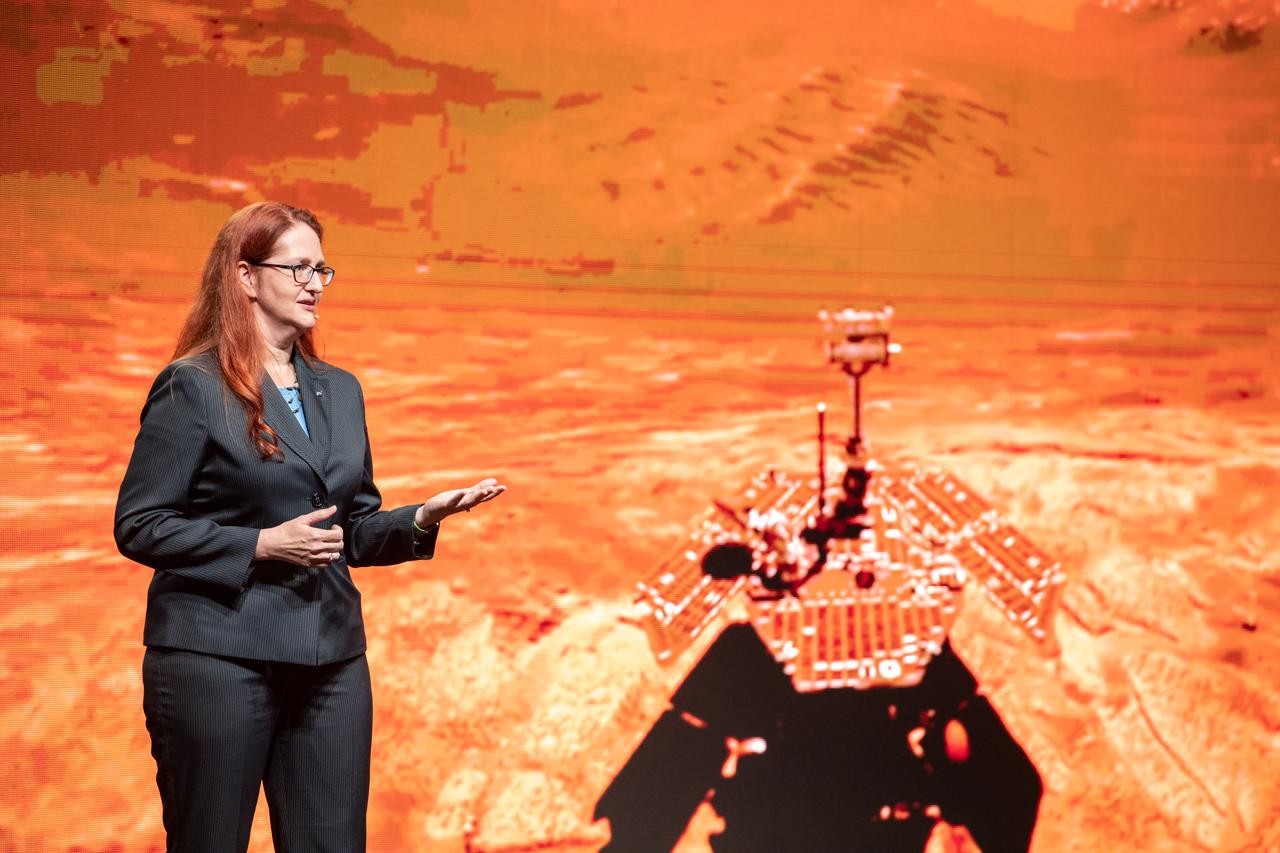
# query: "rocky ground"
(510, 686)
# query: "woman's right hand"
(298, 542)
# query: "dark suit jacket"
(196, 494)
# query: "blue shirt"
(294, 402)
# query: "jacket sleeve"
(380, 537)
(153, 525)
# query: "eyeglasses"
(302, 273)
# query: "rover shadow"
(842, 770)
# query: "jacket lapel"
(316, 406)
(277, 415)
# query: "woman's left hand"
(445, 504)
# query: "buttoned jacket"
(196, 495)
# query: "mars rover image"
(830, 712)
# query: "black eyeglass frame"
(326, 273)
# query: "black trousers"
(220, 727)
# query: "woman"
(250, 492)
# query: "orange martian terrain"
(582, 246)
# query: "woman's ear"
(248, 280)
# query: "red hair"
(221, 320)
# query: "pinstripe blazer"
(195, 496)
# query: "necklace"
(292, 399)
(290, 379)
